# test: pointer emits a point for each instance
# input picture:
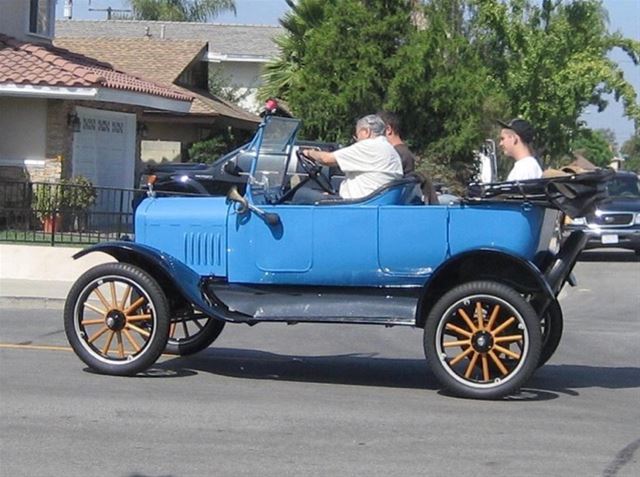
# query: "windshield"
(278, 134)
(624, 186)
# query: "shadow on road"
(608, 256)
(369, 370)
(352, 369)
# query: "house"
(172, 62)
(236, 54)
(64, 113)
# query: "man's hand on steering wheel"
(314, 169)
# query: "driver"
(368, 164)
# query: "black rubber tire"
(552, 326)
(480, 348)
(90, 336)
(206, 334)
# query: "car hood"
(620, 204)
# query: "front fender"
(169, 272)
(487, 264)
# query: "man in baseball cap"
(516, 138)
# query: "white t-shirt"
(367, 165)
(525, 169)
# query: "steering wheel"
(314, 170)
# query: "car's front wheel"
(482, 340)
(191, 331)
(116, 319)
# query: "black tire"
(191, 332)
(463, 352)
(121, 301)
(551, 328)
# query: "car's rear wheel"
(482, 340)
(191, 331)
(552, 325)
(116, 319)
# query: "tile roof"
(236, 40)
(33, 64)
(160, 61)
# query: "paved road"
(324, 400)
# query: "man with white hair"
(368, 164)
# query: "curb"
(23, 302)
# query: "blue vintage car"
(480, 277)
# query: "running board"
(291, 304)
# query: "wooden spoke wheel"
(482, 340)
(191, 331)
(116, 319)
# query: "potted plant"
(79, 195)
(46, 202)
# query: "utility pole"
(109, 11)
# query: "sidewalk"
(33, 276)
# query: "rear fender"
(176, 279)
(486, 264)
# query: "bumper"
(628, 238)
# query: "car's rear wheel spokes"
(116, 319)
(481, 341)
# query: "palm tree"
(180, 10)
(281, 72)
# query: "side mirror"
(232, 169)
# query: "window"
(41, 14)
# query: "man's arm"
(323, 157)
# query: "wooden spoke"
(127, 292)
(114, 301)
(479, 316)
(485, 367)
(120, 344)
(105, 348)
(135, 305)
(101, 297)
(457, 329)
(506, 351)
(92, 322)
(138, 330)
(472, 364)
(185, 329)
(143, 317)
(503, 326)
(498, 363)
(467, 320)
(507, 339)
(95, 308)
(461, 356)
(197, 322)
(449, 344)
(98, 334)
(492, 318)
(131, 340)
(172, 330)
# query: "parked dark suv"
(616, 221)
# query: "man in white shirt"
(368, 164)
(516, 138)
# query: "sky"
(624, 16)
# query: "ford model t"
(481, 277)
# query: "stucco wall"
(14, 20)
(23, 129)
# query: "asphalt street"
(325, 400)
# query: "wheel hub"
(482, 342)
(115, 320)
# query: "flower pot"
(52, 223)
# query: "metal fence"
(63, 213)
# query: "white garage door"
(104, 148)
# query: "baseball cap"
(521, 127)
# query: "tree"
(630, 151)
(551, 62)
(180, 10)
(595, 145)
